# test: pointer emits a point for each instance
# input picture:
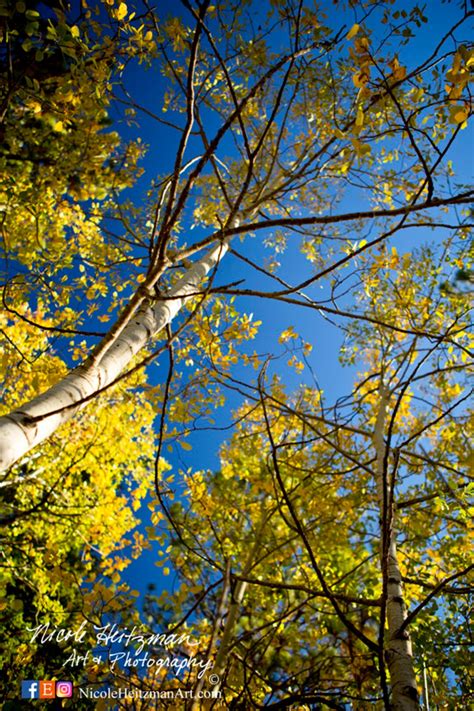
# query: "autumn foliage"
(236, 277)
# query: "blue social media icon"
(30, 689)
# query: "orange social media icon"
(47, 690)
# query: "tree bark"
(397, 647)
(33, 422)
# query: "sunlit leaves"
(287, 334)
(177, 32)
(353, 31)
(121, 11)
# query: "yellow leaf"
(58, 126)
(361, 149)
(122, 11)
(75, 31)
(359, 118)
(287, 334)
(360, 79)
(458, 114)
(400, 73)
(353, 31)
(185, 445)
(296, 364)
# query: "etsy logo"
(46, 689)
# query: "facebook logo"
(50, 689)
(29, 690)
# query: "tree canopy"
(249, 219)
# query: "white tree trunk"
(397, 647)
(19, 433)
